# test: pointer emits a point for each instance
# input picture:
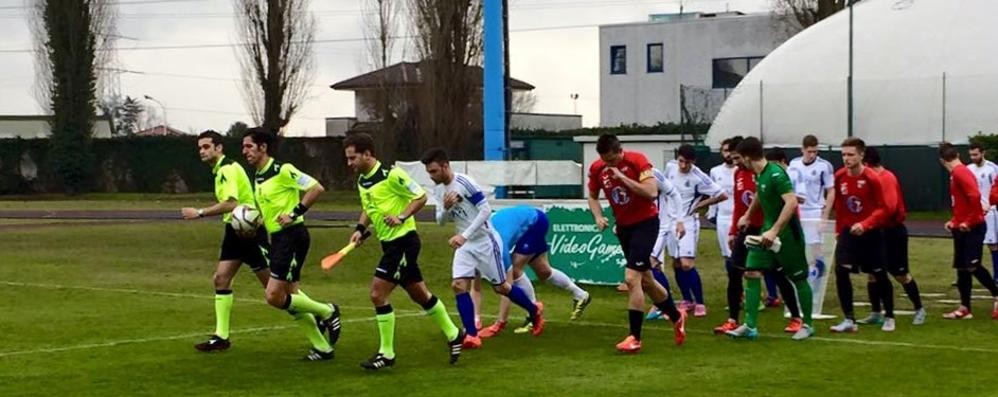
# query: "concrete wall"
(338, 126)
(549, 122)
(38, 127)
(689, 48)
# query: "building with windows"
(678, 67)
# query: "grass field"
(115, 309)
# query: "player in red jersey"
(859, 216)
(968, 228)
(895, 243)
(626, 179)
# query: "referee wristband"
(299, 210)
(360, 228)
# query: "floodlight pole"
(849, 123)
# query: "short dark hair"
(687, 152)
(976, 145)
(216, 138)
(856, 143)
(608, 143)
(726, 142)
(435, 155)
(777, 154)
(948, 152)
(361, 142)
(751, 148)
(809, 141)
(734, 141)
(262, 136)
(872, 156)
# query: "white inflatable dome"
(924, 71)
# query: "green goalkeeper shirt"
(772, 183)
(387, 191)
(231, 182)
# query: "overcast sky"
(553, 43)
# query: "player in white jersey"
(720, 214)
(670, 223)
(697, 191)
(477, 246)
(815, 186)
(985, 171)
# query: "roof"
(160, 130)
(406, 74)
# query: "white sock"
(560, 279)
(528, 288)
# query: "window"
(655, 61)
(728, 72)
(618, 59)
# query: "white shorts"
(484, 257)
(723, 227)
(991, 235)
(810, 221)
(685, 247)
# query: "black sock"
(871, 289)
(735, 290)
(886, 288)
(430, 303)
(669, 308)
(984, 277)
(636, 317)
(964, 282)
(843, 285)
(788, 293)
(911, 289)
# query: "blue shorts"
(534, 242)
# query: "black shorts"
(896, 249)
(739, 252)
(249, 251)
(864, 252)
(638, 241)
(400, 261)
(968, 247)
(288, 250)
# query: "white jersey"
(985, 174)
(693, 186)
(668, 200)
(811, 181)
(724, 176)
(471, 214)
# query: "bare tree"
(523, 102)
(73, 39)
(448, 39)
(794, 16)
(277, 58)
(386, 103)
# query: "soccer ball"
(245, 220)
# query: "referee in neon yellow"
(232, 188)
(390, 199)
(278, 187)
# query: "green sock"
(306, 321)
(806, 301)
(439, 315)
(223, 309)
(302, 303)
(386, 328)
(753, 286)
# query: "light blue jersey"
(521, 231)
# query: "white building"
(645, 66)
(36, 127)
(923, 71)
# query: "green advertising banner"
(579, 249)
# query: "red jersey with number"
(966, 197)
(744, 192)
(858, 199)
(629, 208)
(893, 199)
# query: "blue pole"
(494, 115)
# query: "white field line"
(412, 314)
(168, 338)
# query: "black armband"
(299, 210)
(360, 228)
